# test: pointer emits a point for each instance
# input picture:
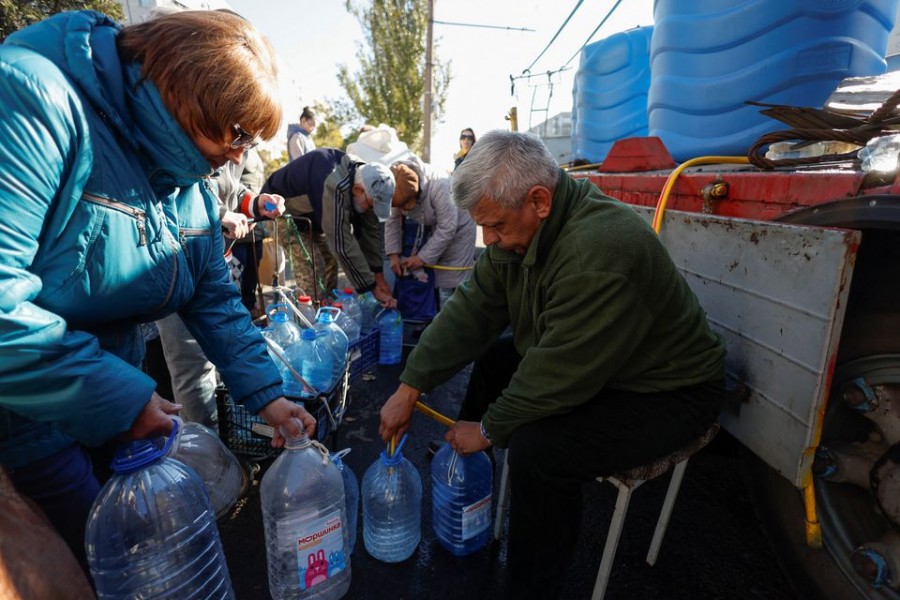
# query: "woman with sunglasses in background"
(466, 141)
(108, 219)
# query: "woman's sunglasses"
(243, 140)
(467, 136)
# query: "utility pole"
(429, 85)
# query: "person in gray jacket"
(439, 236)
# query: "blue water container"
(152, 531)
(709, 57)
(351, 493)
(461, 490)
(392, 507)
(609, 96)
(315, 360)
(335, 338)
(390, 327)
(369, 307)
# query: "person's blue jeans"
(64, 486)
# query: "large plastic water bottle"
(304, 520)
(461, 489)
(282, 330)
(351, 493)
(352, 307)
(315, 360)
(152, 531)
(390, 327)
(369, 307)
(293, 356)
(305, 306)
(335, 338)
(392, 507)
(347, 324)
(200, 448)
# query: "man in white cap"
(347, 200)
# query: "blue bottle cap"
(391, 461)
(308, 334)
(135, 455)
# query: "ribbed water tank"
(609, 97)
(709, 57)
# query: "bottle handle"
(174, 439)
(329, 309)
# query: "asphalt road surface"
(714, 546)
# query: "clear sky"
(313, 37)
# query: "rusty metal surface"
(776, 293)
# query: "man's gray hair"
(503, 166)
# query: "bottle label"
(476, 517)
(319, 544)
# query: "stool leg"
(612, 538)
(666, 512)
(502, 499)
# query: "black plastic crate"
(363, 355)
(248, 434)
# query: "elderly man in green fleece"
(611, 363)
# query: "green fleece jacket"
(596, 301)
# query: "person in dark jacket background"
(108, 220)
(611, 363)
(346, 200)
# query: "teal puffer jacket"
(107, 220)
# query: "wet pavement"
(714, 546)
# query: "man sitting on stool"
(611, 363)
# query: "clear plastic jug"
(335, 338)
(304, 521)
(200, 448)
(392, 507)
(152, 531)
(351, 493)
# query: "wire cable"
(593, 33)
(556, 35)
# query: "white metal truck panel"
(776, 293)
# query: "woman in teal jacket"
(108, 220)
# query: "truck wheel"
(870, 348)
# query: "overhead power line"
(593, 33)
(556, 35)
(484, 26)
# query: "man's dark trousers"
(551, 458)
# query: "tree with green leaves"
(16, 14)
(390, 85)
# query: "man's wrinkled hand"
(465, 437)
(397, 412)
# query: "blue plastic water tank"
(708, 57)
(609, 97)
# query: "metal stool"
(626, 482)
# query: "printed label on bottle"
(319, 544)
(476, 517)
